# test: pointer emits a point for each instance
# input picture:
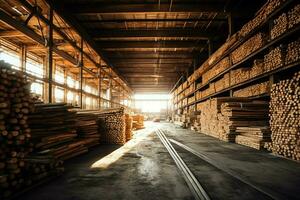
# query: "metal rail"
(224, 169)
(194, 185)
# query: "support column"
(23, 57)
(81, 73)
(50, 54)
(230, 25)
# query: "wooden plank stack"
(294, 16)
(128, 131)
(87, 128)
(138, 122)
(111, 123)
(248, 47)
(254, 137)
(285, 117)
(53, 128)
(293, 52)
(274, 59)
(280, 26)
(253, 90)
(241, 114)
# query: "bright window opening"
(34, 68)
(59, 94)
(59, 76)
(152, 103)
(37, 88)
(11, 59)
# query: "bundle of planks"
(294, 16)
(280, 26)
(285, 117)
(254, 137)
(239, 75)
(248, 47)
(261, 16)
(138, 121)
(111, 124)
(128, 131)
(87, 128)
(54, 131)
(253, 90)
(241, 114)
(15, 144)
(293, 52)
(274, 59)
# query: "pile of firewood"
(294, 16)
(274, 59)
(54, 131)
(280, 26)
(293, 52)
(285, 118)
(87, 128)
(128, 131)
(241, 114)
(248, 47)
(111, 123)
(254, 137)
(253, 90)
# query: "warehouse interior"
(154, 99)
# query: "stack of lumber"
(293, 52)
(53, 128)
(111, 123)
(254, 137)
(128, 131)
(209, 109)
(239, 75)
(280, 26)
(15, 145)
(294, 16)
(261, 16)
(138, 121)
(248, 47)
(253, 90)
(285, 117)
(217, 69)
(223, 83)
(257, 68)
(87, 128)
(241, 114)
(196, 126)
(274, 59)
(191, 99)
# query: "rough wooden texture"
(293, 52)
(285, 117)
(280, 26)
(274, 59)
(253, 90)
(138, 122)
(294, 16)
(252, 44)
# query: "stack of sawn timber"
(54, 134)
(241, 114)
(138, 122)
(252, 136)
(87, 128)
(17, 171)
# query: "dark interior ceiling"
(153, 43)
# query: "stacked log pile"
(285, 117)
(128, 131)
(248, 47)
(254, 137)
(241, 114)
(239, 75)
(280, 26)
(293, 52)
(274, 59)
(53, 128)
(253, 90)
(111, 123)
(257, 68)
(87, 128)
(17, 172)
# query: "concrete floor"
(143, 169)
